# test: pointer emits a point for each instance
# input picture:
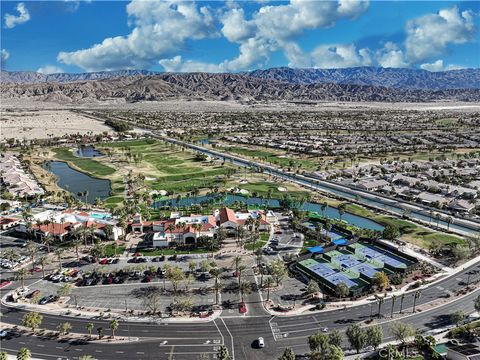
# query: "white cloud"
(235, 27)
(340, 56)
(50, 69)
(4, 57)
(431, 34)
(176, 64)
(13, 20)
(273, 28)
(160, 28)
(439, 66)
(391, 56)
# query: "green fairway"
(89, 166)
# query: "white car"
(325, 329)
(3, 333)
(23, 292)
(261, 342)
(268, 250)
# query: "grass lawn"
(259, 244)
(263, 187)
(167, 167)
(89, 166)
(158, 252)
(271, 157)
(411, 232)
(109, 251)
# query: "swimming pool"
(101, 216)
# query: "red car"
(35, 269)
(32, 294)
(242, 307)
(4, 283)
(103, 261)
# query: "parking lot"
(107, 293)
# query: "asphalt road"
(238, 333)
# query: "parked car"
(32, 294)
(24, 291)
(261, 342)
(4, 283)
(3, 334)
(103, 261)
(48, 299)
(35, 269)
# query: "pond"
(229, 199)
(325, 186)
(88, 151)
(78, 182)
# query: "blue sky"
(76, 36)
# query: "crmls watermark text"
(391, 353)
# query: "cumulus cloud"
(273, 28)
(13, 20)
(50, 69)
(431, 34)
(391, 56)
(340, 56)
(160, 28)
(235, 27)
(4, 57)
(439, 66)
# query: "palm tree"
(324, 206)
(416, 296)
(42, 260)
(90, 327)
(244, 288)
(380, 300)
(215, 272)
(48, 240)
(32, 250)
(394, 298)
(21, 275)
(268, 285)
(341, 210)
(170, 228)
(76, 244)
(241, 268)
(236, 262)
(113, 326)
(402, 297)
(58, 253)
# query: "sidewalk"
(75, 313)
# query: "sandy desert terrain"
(31, 124)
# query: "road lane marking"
(231, 337)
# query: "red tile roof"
(53, 228)
(227, 214)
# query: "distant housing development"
(14, 178)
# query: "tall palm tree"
(416, 296)
(76, 245)
(241, 269)
(268, 285)
(48, 240)
(236, 262)
(32, 250)
(21, 275)
(59, 253)
(244, 288)
(42, 260)
(215, 272)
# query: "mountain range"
(353, 84)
